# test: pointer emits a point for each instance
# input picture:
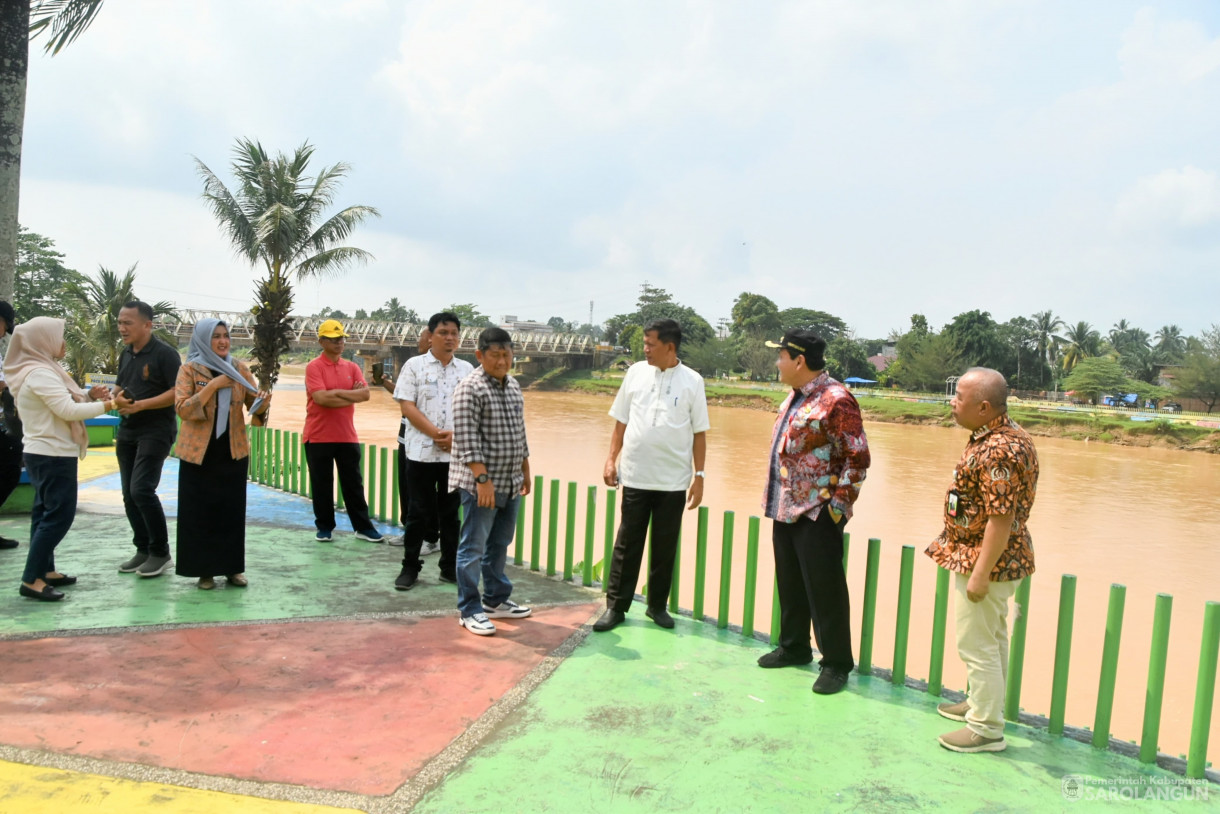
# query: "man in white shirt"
(661, 422)
(425, 393)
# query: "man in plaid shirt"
(490, 473)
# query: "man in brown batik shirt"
(987, 545)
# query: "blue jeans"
(54, 482)
(483, 545)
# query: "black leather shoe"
(778, 658)
(406, 581)
(450, 578)
(830, 681)
(661, 617)
(47, 594)
(7, 543)
(610, 619)
(60, 581)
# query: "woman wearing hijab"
(52, 409)
(213, 450)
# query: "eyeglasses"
(332, 338)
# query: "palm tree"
(1119, 335)
(21, 21)
(1080, 342)
(275, 217)
(1045, 325)
(1170, 343)
(93, 338)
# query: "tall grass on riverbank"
(1042, 419)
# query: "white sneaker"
(508, 609)
(478, 624)
(429, 547)
(394, 540)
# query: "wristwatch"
(701, 474)
(484, 478)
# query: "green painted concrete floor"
(635, 720)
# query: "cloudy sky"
(871, 159)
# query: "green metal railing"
(278, 460)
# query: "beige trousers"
(982, 643)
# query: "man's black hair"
(8, 315)
(495, 336)
(443, 317)
(144, 308)
(667, 331)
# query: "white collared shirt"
(663, 409)
(428, 383)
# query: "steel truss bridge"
(372, 337)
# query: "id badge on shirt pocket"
(952, 502)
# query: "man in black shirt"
(144, 388)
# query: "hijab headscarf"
(201, 352)
(34, 347)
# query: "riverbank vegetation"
(1039, 419)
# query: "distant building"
(509, 322)
(884, 359)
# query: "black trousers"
(641, 507)
(322, 460)
(433, 506)
(10, 465)
(813, 588)
(404, 495)
(140, 463)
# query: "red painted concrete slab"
(355, 706)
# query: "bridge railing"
(278, 460)
(366, 332)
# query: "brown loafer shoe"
(966, 740)
(206, 583)
(954, 712)
(238, 580)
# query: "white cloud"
(530, 156)
(1188, 198)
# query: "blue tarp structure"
(858, 380)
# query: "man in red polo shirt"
(334, 386)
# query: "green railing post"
(1016, 652)
(519, 537)
(294, 482)
(846, 548)
(940, 612)
(1109, 666)
(747, 610)
(1063, 652)
(903, 626)
(536, 526)
(268, 455)
(1156, 678)
(726, 570)
(569, 537)
(700, 563)
(608, 543)
(382, 481)
(552, 528)
(871, 570)
(586, 577)
(675, 580)
(1205, 690)
(395, 505)
(277, 472)
(252, 463)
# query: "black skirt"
(212, 513)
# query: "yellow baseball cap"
(331, 329)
